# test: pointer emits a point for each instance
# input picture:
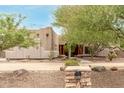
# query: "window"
(38, 35)
(47, 35)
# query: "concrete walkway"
(30, 66)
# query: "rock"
(70, 85)
(20, 72)
(99, 68)
(62, 68)
(114, 69)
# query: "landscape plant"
(71, 62)
(98, 27)
(111, 55)
(12, 34)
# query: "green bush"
(71, 63)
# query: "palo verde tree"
(63, 19)
(95, 26)
(12, 34)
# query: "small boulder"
(114, 69)
(62, 68)
(20, 72)
(99, 68)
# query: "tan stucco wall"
(41, 50)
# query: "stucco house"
(47, 43)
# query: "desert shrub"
(99, 68)
(71, 62)
(114, 69)
(112, 55)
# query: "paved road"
(30, 66)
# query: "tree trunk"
(69, 53)
(92, 55)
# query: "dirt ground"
(42, 79)
(47, 75)
(55, 79)
(108, 79)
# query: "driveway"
(30, 66)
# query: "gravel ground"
(42, 79)
(108, 79)
(55, 79)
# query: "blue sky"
(38, 16)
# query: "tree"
(63, 19)
(12, 34)
(95, 26)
